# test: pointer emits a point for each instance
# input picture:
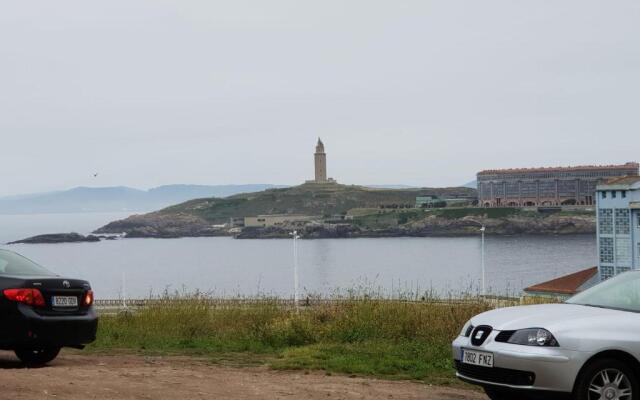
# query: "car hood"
(554, 317)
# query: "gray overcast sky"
(149, 92)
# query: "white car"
(585, 349)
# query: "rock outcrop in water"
(58, 238)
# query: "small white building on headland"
(618, 221)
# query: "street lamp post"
(296, 298)
(124, 292)
(484, 288)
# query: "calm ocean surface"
(228, 267)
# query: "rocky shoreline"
(434, 227)
(162, 226)
(158, 225)
(181, 225)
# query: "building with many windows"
(618, 226)
(546, 186)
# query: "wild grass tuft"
(390, 338)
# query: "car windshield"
(621, 293)
(15, 264)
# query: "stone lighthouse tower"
(320, 158)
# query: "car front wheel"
(37, 356)
(608, 379)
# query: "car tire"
(35, 357)
(594, 374)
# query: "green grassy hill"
(308, 199)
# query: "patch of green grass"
(577, 212)
(381, 358)
(387, 218)
(386, 338)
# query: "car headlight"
(533, 337)
(466, 329)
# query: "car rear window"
(14, 264)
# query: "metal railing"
(106, 306)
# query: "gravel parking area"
(83, 377)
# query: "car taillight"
(32, 297)
(88, 298)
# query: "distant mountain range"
(391, 186)
(123, 198)
(472, 185)
(118, 198)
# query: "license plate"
(64, 301)
(479, 358)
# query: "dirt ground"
(73, 376)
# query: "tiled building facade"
(618, 226)
(546, 186)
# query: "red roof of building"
(628, 165)
(568, 284)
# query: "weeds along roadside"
(381, 337)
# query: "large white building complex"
(618, 203)
(560, 186)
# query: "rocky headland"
(180, 225)
(349, 212)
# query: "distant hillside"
(473, 184)
(391, 186)
(322, 200)
(308, 199)
(119, 198)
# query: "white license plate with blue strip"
(64, 301)
(480, 358)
